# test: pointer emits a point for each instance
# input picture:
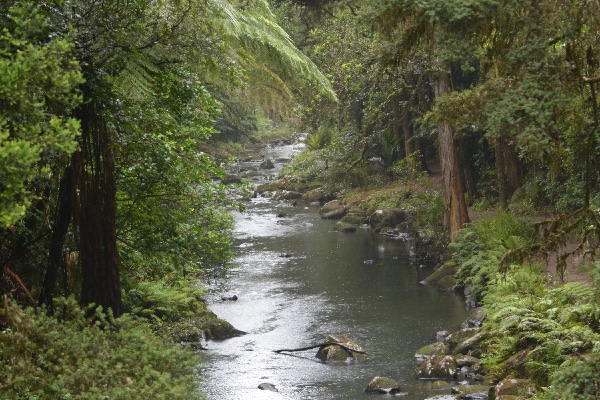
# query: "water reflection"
(322, 285)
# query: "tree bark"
(455, 215)
(59, 233)
(407, 132)
(95, 214)
(509, 169)
(501, 174)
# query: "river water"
(296, 283)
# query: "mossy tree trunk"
(455, 214)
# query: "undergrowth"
(73, 355)
(535, 330)
(533, 327)
(481, 245)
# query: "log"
(348, 349)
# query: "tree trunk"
(95, 213)
(409, 147)
(500, 172)
(397, 123)
(514, 167)
(467, 172)
(509, 170)
(455, 215)
(57, 241)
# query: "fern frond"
(262, 48)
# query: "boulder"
(434, 349)
(330, 206)
(437, 367)
(469, 346)
(388, 217)
(466, 361)
(441, 335)
(267, 164)
(354, 218)
(474, 319)
(514, 387)
(383, 385)
(443, 397)
(219, 329)
(333, 210)
(287, 195)
(472, 392)
(336, 214)
(336, 353)
(443, 276)
(454, 340)
(343, 227)
(314, 195)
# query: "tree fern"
(265, 51)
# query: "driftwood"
(350, 350)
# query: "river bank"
(494, 354)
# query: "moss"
(218, 329)
(443, 276)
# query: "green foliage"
(38, 80)
(321, 138)
(535, 328)
(545, 325)
(409, 169)
(576, 380)
(171, 215)
(73, 355)
(175, 308)
(481, 246)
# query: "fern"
(265, 50)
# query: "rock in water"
(383, 385)
(267, 164)
(268, 386)
(336, 353)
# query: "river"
(296, 282)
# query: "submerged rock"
(383, 385)
(472, 392)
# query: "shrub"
(71, 356)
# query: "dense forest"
(479, 117)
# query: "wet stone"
(383, 385)
(268, 386)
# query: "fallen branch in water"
(348, 349)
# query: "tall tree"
(125, 52)
(429, 27)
